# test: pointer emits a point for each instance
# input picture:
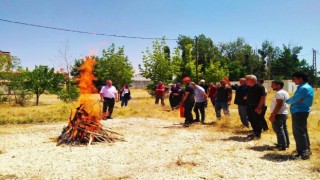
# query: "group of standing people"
(251, 101)
(251, 97)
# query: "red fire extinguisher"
(181, 111)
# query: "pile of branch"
(85, 129)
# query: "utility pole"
(314, 52)
(197, 60)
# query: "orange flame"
(87, 88)
(86, 77)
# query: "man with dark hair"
(212, 93)
(160, 91)
(256, 97)
(279, 115)
(200, 99)
(223, 99)
(301, 102)
(188, 101)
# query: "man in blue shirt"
(301, 102)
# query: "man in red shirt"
(212, 93)
(160, 92)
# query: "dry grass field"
(156, 147)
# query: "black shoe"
(196, 120)
(186, 125)
(281, 148)
(109, 117)
(303, 156)
(295, 157)
(253, 137)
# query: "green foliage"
(43, 79)
(241, 59)
(69, 95)
(215, 73)
(113, 65)
(156, 65)
(3, 97)
(22, 97)
(9, 62)
(17, 83)
(287, 63)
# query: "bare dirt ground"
(154, 149)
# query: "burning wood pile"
(85, 129)
(85, 125)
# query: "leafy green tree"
(241, 60)
(113, 65)
(69, 95)
(267, 53)
(156, 65)
(184, 67)
(17, 83)
(43, 79)
(287, 63)
(215, 72)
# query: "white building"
(139, 82)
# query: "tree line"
(197, 57)
(200, 58)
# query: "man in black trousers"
(188, 101)
(256, 97)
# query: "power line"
(85, 32)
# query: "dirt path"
(154, 149)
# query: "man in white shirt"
(200, 99)
(279, 115)
(108, 95)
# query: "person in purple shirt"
(300, 103)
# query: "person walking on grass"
(300, 103)
(125, 95)
(256, 97)
(279, 115)
(223, 99)
(188, 101)
(108, 95)
(160, 92)
(200, 100)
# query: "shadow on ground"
(262, 148)
(242, 131)
(274, 157)
(236, 138)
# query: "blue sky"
(293, 22)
